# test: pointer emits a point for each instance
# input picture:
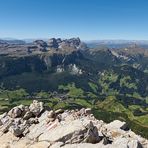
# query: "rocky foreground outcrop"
(36, 127)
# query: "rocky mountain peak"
(42, 45)
(36, 126)
(73, 41)
(53, 43)
(58, 43)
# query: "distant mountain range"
(11, 41)
(117, 43)
(90, 43)
(104, 41)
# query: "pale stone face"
(74, 129)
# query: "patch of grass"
(83, 102)
(94, 87)
(143, 120)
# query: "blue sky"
(87, 19)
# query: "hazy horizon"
(90, 40)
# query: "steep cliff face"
(60, 61)
(30, 65)
(38, 56)
(36, 63)
(13, 66)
